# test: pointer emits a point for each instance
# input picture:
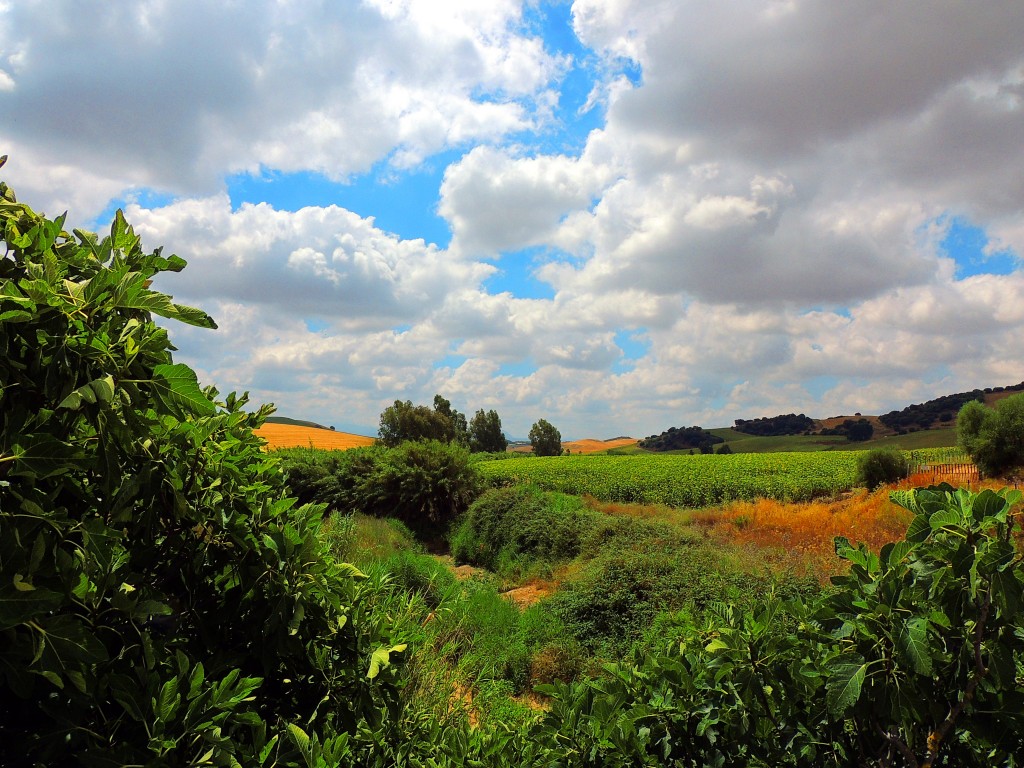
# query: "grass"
(741, 443)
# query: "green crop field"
(681, 480)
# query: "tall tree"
(404, 421)
(459, 430)
(485, 433)
(545, 439)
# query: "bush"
(513, 528)
(424, 484)
(881, 465)
(993, 437)
(161, 601)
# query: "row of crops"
(684, 480)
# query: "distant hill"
(681, 439)
(942, 411)
(922, 425)
(295, 422)
(280, 435)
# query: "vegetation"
(404, 421)
(684, 481)
(785, 424)
(881, 465)
(676, 439)
(858, 431)
(993, 437)
(941, 410)
(161, 602)
(485, 435)
(425, 485)
(510, 530)
(545, 439)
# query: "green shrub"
(426, 484)
(511, 530)
(161, 601)
(993, 437)
(880, 466)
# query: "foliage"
(520, 525)
(404, 421)
(685, 481)
(161, 603)
(941, 409)
(640, 569)
(993, 437)
(858, 431)
(485, 433)
(425, 485)
(881, 465)
(545, 439)
(675, 439)
(772, 426)
(910, 660)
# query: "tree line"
(404, 422)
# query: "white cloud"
(763, 205)
(174, 96)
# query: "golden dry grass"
(593, 446)
(291, 436)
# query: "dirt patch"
(528, 594)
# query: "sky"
(616, 215)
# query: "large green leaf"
(18, 605)
(177, 388)
(381, 658)
(72, 641)
(912, 645)
(43, 456)
(842, 690)
(97, 391)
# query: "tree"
(993, 437)
(162, 602)
(404, 421)
(459, 430)
(545, 439)
(485, 433)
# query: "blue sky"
(617, 215)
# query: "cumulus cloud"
(174, 96)
(763, 205)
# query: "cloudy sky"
(618, 215)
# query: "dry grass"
(291, 436)
(593, 446)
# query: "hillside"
(295, 436)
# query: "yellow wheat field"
(291, 436)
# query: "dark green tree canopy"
(993, 437)
(404, 421)
(485, 433)
(545, 439)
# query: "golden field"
(593, 446)
(291, 436)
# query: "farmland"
(681, 480)
(295, 436)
